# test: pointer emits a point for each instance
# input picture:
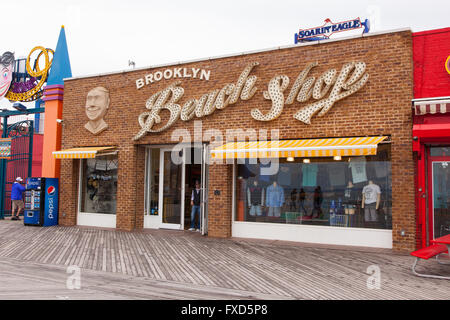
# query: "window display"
(99, 185)
(349, 192)
(255, 199)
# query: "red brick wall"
(382, 107)
(68, 198)
(219, 221)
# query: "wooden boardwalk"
(209, 268)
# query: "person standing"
(195, 203)
(17, 198)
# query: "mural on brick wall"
(351, 78)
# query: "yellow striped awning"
(356, 146)
(83, 153)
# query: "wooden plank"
(187, 265)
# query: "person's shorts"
(349, 206)
(255, 209)
(274, 212)
(17, 204)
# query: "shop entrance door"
(439, 202)
(196, 171)
(180, 169)
(171, 188)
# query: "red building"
(431, 133)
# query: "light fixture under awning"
(84, 153)
(356, 146)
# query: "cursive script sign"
(350, 79)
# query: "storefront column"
(140, 187)
(403, 193)
(220, 199)
(68, 199)
(421, 197)
(127, 200)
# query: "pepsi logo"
(51, 190)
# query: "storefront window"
(350, 192)
(99, 185)
(440, 151)
(441, 198)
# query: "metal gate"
(20, 162)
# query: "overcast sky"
(103, 35)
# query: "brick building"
(431, 132)
(339, 111)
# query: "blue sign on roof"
(328, 28)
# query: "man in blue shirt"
(17, 198)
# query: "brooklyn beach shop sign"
(349, 80)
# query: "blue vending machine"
(41, 202)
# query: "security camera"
(59, 120)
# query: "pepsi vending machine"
(41, 202)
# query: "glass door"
(171, 193)
(440, 206)
(152, 176)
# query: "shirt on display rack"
(255, 195)
(284, 175)
(274, 196)
(371, 192)
(381, 169)
(336, 173)
(350, 195)
(309, 172)
(358, 166)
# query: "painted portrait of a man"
(7, 69)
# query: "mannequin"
(293, 203)
(274, 199)
(301, 201)
(255, 199)
(350, 198)
(371, 195)
(317, 203)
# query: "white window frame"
(360, 237)
(105, 220)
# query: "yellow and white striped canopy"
(359, 146)
(82, 153)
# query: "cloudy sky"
(103, 36)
